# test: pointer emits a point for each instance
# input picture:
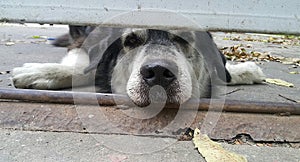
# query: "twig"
(288, 98)
(67, 97)
(233, 91)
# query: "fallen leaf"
(9, 43)
(4, 72)
(249, 46)
(294, 72)
(213, 151)
(117, 158)
(289, 61)
(39, 37)
(239, 53)
(279, 82)
(36, 37)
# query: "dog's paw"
(42, 76)
(245, 73)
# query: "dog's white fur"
(245, 73)
(54, 75)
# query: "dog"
(184, 64)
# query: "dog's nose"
(159, 73)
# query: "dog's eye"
(133, 41)
(182, 44)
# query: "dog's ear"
(214, 58)
(102, 45)
(77, 32)
(62, 41)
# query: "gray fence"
(268, 16)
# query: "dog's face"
(155, 58)
(154, 65)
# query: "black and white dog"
(132, 61)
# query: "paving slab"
(64, 146)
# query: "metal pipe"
(67, 97)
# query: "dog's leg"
(53, 75)
(245, 73)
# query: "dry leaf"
(279, 82)
(294, 72)
(4, 72)
(117, 158)
(267, 38)
(213, 151)
(239, 52)
(36, 37)
(289, 61)
(9, 43)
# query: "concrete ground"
(18, 145)
(50, 146)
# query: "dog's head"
(154, 58)
(141, 60)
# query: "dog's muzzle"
(159, 72)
